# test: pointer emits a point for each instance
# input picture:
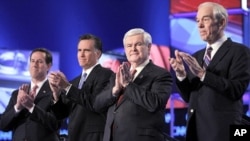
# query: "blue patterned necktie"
(83, 78)
(207, 57)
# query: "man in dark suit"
(85, 124)
(136, 105)
(28, 112)
(214, 91)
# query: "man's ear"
(222, 23)
(99, 54)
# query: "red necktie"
(33, 91)
(132, 72)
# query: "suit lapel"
(145, 71)
(93, 73)
(222, 51)
(43, 92)
(90, 76)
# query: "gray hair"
(147, 37)
(219, 12)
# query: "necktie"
(207, 57)
(33, 91)
(132, 72)
(83, 77)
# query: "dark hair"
(48, 55)
(97, 40)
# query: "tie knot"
(84, 75)
(132, 72)
(83, 78)
(209, 49)
(34, 87)
(33, 90)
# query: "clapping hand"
(24, 100)
(177, 64)
(123, 77)
(193, 65)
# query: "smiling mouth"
(133, 54)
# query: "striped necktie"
(207, 57)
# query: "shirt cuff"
(32, 108)
(67, 89)
(17, 111)
(203, 77)
(180, 78)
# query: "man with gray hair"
(136, 95)
(217, 79)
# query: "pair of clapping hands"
(58, 82)
(25, 99)
(123, 78)
(178, 65)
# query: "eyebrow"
(205, 16)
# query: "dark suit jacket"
(40, 125)
(140, 116)
(84, 123)
(216, 103)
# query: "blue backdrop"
(57, 24)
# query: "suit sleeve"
(45, 118)
(87, 95)
(9, 118)
(105, 99)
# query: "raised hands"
(24, 100)
(178, 66)
(58, 82)
(123, 77)
(193, 65)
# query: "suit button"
(191, 110)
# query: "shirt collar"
(215, 46)
(89, 69)
(218, 43)
(39, 84)
(140, 67)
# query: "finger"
(52, 74)
(182, 54)
(118, 75)
(22, 87)
(126, 66)
(177, 56)
(187, 61)
(191, 59)
(61, 74)
(171, 61)
(26, 87)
